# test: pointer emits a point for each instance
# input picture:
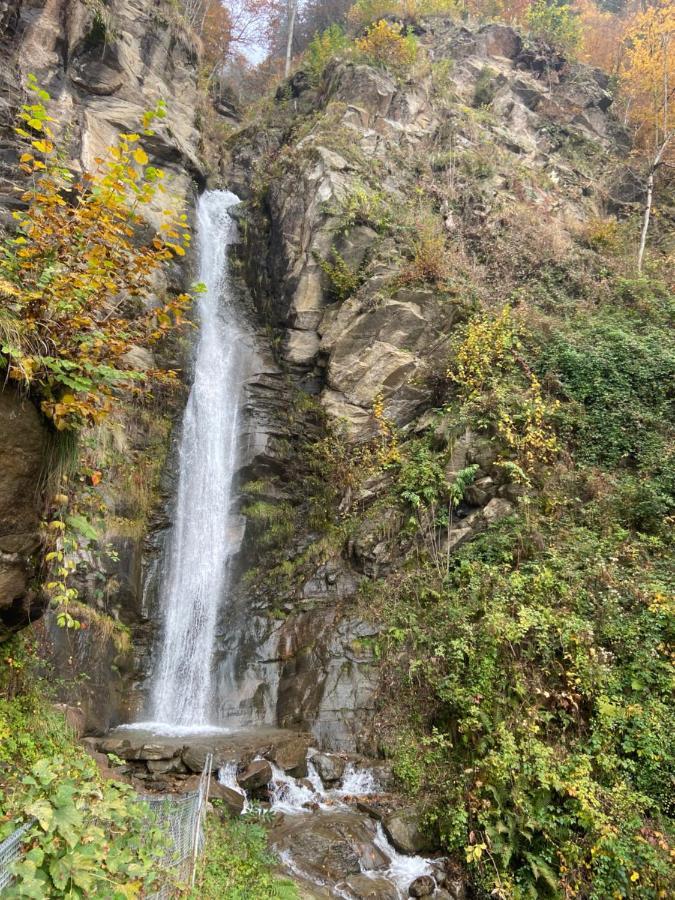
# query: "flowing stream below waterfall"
(327, 841)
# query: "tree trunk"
(650, 196)
(292, 6)
(645, 221)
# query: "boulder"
(496, 510)
(147, 751)
(405, 830)
(329, 766)
(423, 886)
(366, 887)
(291, 756)
(166, 766)
(195, 755)
(332, 847)
(256, 775)
(232, 800)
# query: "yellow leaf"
(140, 156)
(43, 146)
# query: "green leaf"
(82, 527)
(43, 811)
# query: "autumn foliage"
(387, 44)
(76, 278)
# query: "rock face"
(325, 180)
(103, 66)
(23, 445)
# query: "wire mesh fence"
(179, 817)
(11, 850)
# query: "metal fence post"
(204, 786)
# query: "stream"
(326, 842)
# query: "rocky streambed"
(336, 823)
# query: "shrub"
(343, 281)
(499, 390)
(322, 48)
(74, 280)
(555, 22)
(485, 88)
(429, 263)
(388, 45)
(619, 376)
(236, 865)
(362, 206)
(91, 838)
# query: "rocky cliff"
(491, 160)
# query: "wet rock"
(329, 766)
(166, 766)
(405, 830)
(330, 846)
(256, 775)
(423, 886)
(370, 888)
(291, 756)
(148, 751)
(232, 800)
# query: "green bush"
(91, 838)
(619, 374)
(322, 48)
(237, 865)
(538, 682)
(556, 22)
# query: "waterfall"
(195, 578)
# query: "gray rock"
(195, 756)
(329, 766)
(366, 887)
(496, 510)
(481, 491)
(405, 830)
(166, 766)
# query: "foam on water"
(165, 729)
(402, 869)
(358, 782)
(289, 796)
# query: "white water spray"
(196, 577)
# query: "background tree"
(648, 81)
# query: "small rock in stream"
(329, 766)
(256, 775)
(424, 886)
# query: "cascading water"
(195, 581)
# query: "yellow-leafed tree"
(77, 277)
(648, 82)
